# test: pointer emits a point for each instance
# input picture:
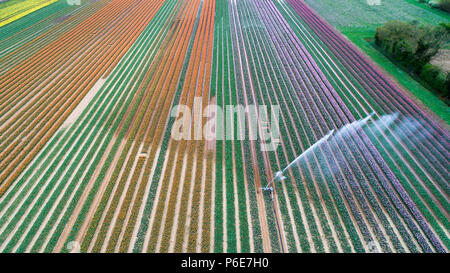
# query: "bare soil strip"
(83, 198)
(178, 207)
(84, 103)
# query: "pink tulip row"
(383, 170)
(388, 97)
(358, 65)
(319, 122)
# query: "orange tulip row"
(35, 125)
(150, 144)
(150, 108)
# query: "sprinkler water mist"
(279, 176)
(349, 128)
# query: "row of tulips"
(329, 108)
(349, 99)
(427, 133)
(116, 189)
(323, 111)
(23, 39)
(48, 119)
(305, 102)
(306, 15)
(261, 80)
(55, 193)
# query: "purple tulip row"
(398, 187)
(260, 64)
(443, 183)
(342, 183)
(245, 85)
(309, 101)
(435, 157)
(313, 194)
(317, 175)
(325, 86)
(358, 143)
(445, 151)
(326, 31)
(433, 151)
(357, 164)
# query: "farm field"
(91, 100)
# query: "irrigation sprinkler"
(278, 178)
(267, 188)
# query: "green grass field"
(358, 21)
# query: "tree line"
(439, 4)
(414, 45)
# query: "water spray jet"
(346, 129)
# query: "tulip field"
(88, 161)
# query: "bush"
(437, 79)
(429, 72)
(411, 43)
(445, 26)
(444, 5)
(446, 91)
(414, 45)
